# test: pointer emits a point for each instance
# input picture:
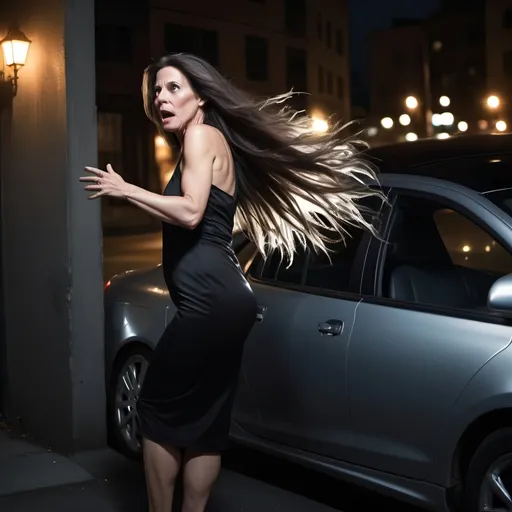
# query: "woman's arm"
(186, 210)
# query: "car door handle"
(331, 327)
(260, 314)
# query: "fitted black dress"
(188, 392)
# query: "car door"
(422, 330)
(295, 357)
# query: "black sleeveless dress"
(188, 391)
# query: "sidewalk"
(34, 479)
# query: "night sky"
(368, 15)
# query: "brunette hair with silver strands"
(294, 186)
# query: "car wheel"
(488, 486)
(126, 382)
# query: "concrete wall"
(51, 233)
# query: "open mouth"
(166, 115)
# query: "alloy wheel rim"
(129, 382)
(496, 489)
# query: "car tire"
(128, 372)
(492, 457)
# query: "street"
(130, 252)
(249, 482)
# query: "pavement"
(35, 479)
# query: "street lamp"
(405, 120)
(15, 47)
(501, 126)
(411, 102)
(387, 122)
(444, 101)
(493, 101)
(462, 126)
(320, 125)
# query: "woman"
(286, 186)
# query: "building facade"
(499, 57)
(266, 47)
(441, 63)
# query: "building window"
(256, 58)
(329, 83)
(321, 80)
(319, 26)
(507, 18)
(113, 43)
(339, 42)
(340, 88)
(328, 34)
(297, 75)
(507, 63)
(295, 18)
(200, 42)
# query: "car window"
(319, 270)
(332, 271)
(438, 256)
(469, 245)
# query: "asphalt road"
(249, 482)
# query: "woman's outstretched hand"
(104, 183)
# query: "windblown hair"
(295, 186)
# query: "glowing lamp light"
(462, 126)
(411, 102)
(501, 126)
(387, 123)
(320, 125)
(405, 120)
(411, 136)
(15, 47)
(493, 101)
(444, 101)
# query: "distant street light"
(462, 126)
(501, 126)
(320, 125)
(443, 135)
(493, 101)
(437, 120)
(444, 101)
(405, 120)
(411, 136)
(411, 102)
(387, 122)
(447, 119)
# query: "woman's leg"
(162, 466)
(200, 472)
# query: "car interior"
(418, 267)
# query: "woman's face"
(176, 102)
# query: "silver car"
(389, 366)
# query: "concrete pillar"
(52, 262)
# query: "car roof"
(480, 162)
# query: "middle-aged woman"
(260, 163)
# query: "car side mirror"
(500, 294)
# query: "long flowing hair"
(295, 186)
